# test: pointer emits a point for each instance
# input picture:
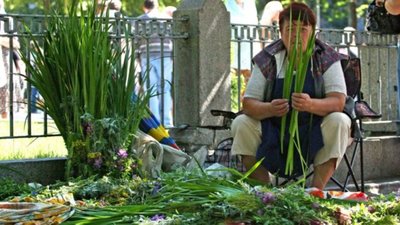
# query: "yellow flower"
(94, 155)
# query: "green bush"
(10, 188)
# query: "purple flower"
(158, 217)
(268, 198)
(122, 153)
(97, 163)
(156, 188)
(88, 128)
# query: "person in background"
(156, 66)
(19, 82)
(34, 95)
(270, 17)
(113, 7)
(392, 6)
(243, 12)
(169, 11)
(5, 68)
(324, 129)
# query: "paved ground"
(383, 186)
(376, 186)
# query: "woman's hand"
(332, 102)
(279, 107)
(260, 110)
(302, 102)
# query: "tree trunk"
(353, 14)
(46, 4)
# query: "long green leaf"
(302, 59)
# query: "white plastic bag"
(150, 152)
(158, 157)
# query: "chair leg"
(350, 166)
(341, 186)
(362, 165)
(350, 172)
(361, 142)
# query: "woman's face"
(289, 33)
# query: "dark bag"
(379, 20)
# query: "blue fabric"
(34, 98)
(309, 129)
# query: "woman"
(324, 129)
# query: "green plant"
(193, 197)
(88, 83)
(10, 188)
(295, 81)
(235, 95)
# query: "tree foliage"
(334, 13)
(129, 7)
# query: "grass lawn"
(27, 148)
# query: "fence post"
(201, 62)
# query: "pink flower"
(122, 153)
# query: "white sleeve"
(256, 85)
(334, 79)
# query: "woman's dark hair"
(299, 11)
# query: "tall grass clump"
(88, 86)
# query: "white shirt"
(333, 78)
